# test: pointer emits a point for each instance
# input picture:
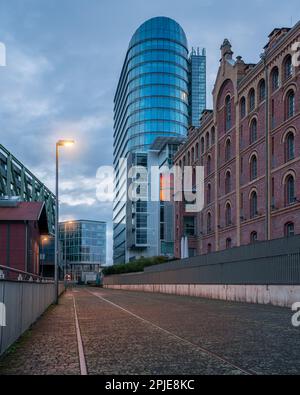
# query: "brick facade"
(249, 145)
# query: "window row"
(158, 78)
(255, 98)
(157, 44)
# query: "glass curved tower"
(152, 100)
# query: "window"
(197, 151)
(289, 147)
(227, 113)
(275, 79)
(213, 136)
(228, 150)
(253, 237)
(253, 205)
(202, 145)
(262, 90)
(208, 193)
(290, 190)
(189, 159)
(289, 229)
(253, 131)
(251, 100)
(209, 248)
(228, 221)
(189, 226)
(228, 243)
(243, 107)
(290, 104)
(208, 164)
(209, 223)
(253, 168)
(287, 67)
(207, 140)
(193, 155)
(228, 183)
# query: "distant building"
(197, 96)
(22, 224)
(249, 146)
(83, 245)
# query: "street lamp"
(60, 143)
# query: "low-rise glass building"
(83, 246)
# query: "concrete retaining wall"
(277, 295)
(23, 303)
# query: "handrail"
(23, 273)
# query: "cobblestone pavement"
(140, 333)
(50, 347)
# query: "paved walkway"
(139, 333)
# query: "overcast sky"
(63, 62)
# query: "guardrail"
(10, 274)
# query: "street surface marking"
(82, 362)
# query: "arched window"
(289, 229)
(287, 67)
(228, 150)
(209, 229)
(262, 90)
(213, 136)
(253, 237)
(208, 164)
(207, 140)
(253, 131)
(253, 168)
(197, 151)
(228, 243)
(189, 158)
(228, 182)
(202, 145)
(227, 113)
(251, 100)
(275, 79)
(228, 221)
(208, 193)
(193, 155)
(290, 190)
(289, 147)
(253, 204)
(243, 107)
(209, 248)
(290, 104)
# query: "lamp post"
(60, 143)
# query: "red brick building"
(21, 227)
(249, 145)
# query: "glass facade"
(151, 100)
(198, 85)
(83, 244)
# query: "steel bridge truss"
(17, 181)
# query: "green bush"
(134, 266)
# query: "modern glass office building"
(197, 97)
(83, 245)
(151, 100)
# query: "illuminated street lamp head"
(65, 143)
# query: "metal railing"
(10, 274)
(275, 262)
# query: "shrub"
(134, 266)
